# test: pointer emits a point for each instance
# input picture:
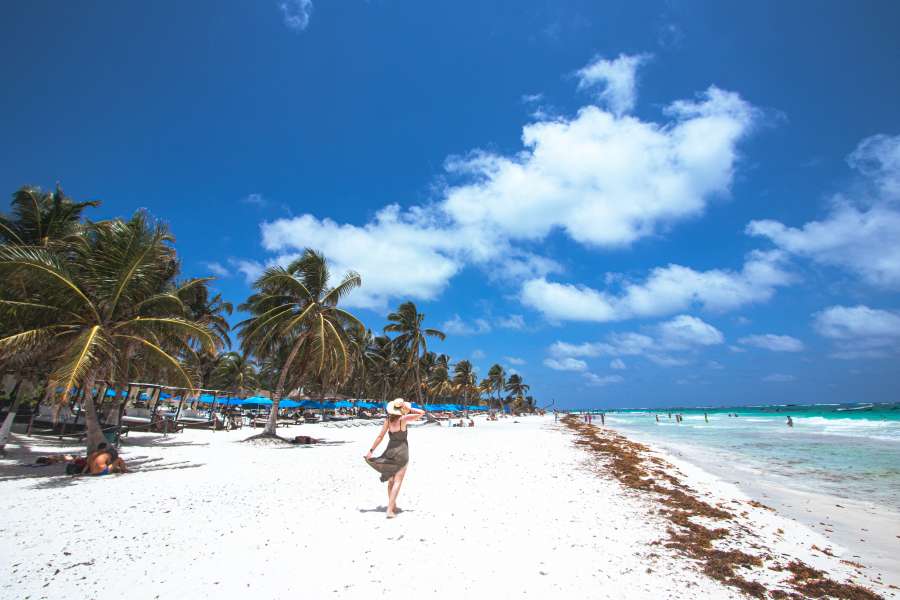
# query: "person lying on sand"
(104, 461)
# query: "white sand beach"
(507, 509)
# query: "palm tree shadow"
(52, 479)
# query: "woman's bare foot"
(391, 515)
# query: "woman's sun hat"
(397, 407)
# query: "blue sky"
(631, 204)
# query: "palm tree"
(208, 310)
(464, 379)
(294, 308)
(497, 378)
(412, 338)
(40, 218)
(36, 219)
(516, 387)
(87, 310)
(235, 372)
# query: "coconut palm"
(85, 310)
(39, 218)
(208, 310)
(464, 379)
(516, 387)
(235, 372)
(295, 308)
(497, 379)
(412, 338)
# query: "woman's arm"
(378, 439)
(414, 413)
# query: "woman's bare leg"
(390, 488)
(395, 491)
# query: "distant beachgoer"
(103, 461)
(790, 422)
(555, 416)
(393, 462)
(603, 419)
(471, 423)
(706, 417)
(657, 418)
(670, 416)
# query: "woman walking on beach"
(392, 464)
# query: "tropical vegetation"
(89, 306)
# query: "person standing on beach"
(790, 421)
(603, 419)
(706, 417)
(393, 462)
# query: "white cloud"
(250, 269)
(511, 322)
(396, 255)
(532, 98)
(456, 326)
(217, 269)
(685, 331)
(602, 380)
(859, 331)
(778, 378)
(514, 360)
(617, 364)
(773, 342)
(296, 13)
(715, 365)
(861, 235)
(878, 158)
(683, 334)
(602, 179)
(665, 291)
(614, 81)
(565, 364)
(605, 181)
(478, 354)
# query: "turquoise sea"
(847, 450)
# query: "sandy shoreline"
(503, 510)
(866, 533)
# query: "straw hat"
(397, 407)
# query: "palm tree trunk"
(272, 423)
(10, 417)
(418, 385)
(91, 422)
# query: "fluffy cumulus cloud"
(613, 81)
(685, 331)
(617, 364)
(665, 291)
(861, 232)
(296, 13)
(397, 255)
(773, 342)
(859, 331)
(602, 178)
(565, 364)
(671, 343)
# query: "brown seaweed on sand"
(629, 462)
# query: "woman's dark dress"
(395, 456)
